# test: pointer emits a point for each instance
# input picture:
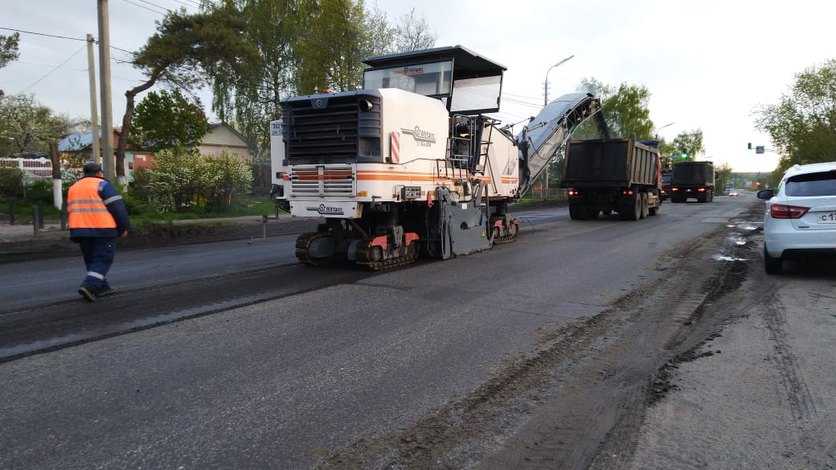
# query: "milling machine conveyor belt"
(546, 133)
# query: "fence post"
(40, 214)
(35, 217)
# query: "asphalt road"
(231, 355)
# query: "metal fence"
(37, 167)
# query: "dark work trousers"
(98, 257)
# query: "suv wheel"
(772, 265)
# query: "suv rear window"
(812, 184)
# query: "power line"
(53, 70)
(43, 34)
(155, 5)
(143, 6)
(59, 37)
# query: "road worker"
(97, 216)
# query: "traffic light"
(750, 146)
(683, 155)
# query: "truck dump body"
(693, 173)
(610, 162)
(692, 180)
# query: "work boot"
(87, 293)
(106, 291)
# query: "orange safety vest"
(86, 208)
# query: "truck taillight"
(701, 190)
(574, 193)
(674, 189)
(628, 192)
(783, 211)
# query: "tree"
(624, 108)
(803, 124)
(185, 51)
(413, 33)
(8, 50)
(168, 119)
(331, 51)
(688, 144)
(723, 176)
(249, 96)
(27, 126)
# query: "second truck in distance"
(692, 180)
(612, 175)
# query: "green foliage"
(625, 110)
(227, 178)
(186, 181)
(186, 51)
(803, 125)
(39, 190)
(331, 52)
(185, 46)
(26, 125)
(304, 46)
(168, 119)
(249, 97)
(722, 176)
(688, 143)
(11, 182)
(9, 49)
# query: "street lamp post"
(656, 135)
(546, 100)
(545, 103)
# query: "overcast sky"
(708, 65)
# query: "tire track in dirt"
(798, 394)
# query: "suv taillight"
(783, 211)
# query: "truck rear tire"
(632, 210)
(578, 211)
(643, 214)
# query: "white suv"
(800, 218)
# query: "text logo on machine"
(411, 71)
(329, 210)
(422, 137)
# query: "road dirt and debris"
(602, 392)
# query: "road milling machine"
(412, 164)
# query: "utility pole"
(94, 116)
(108, 163)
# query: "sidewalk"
(19, 242)
(11, 233)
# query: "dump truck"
(693, 180)
(612, 175)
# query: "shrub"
(11, 182)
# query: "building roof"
(75, 142)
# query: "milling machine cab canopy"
(464, 81)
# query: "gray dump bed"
(610, 162)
